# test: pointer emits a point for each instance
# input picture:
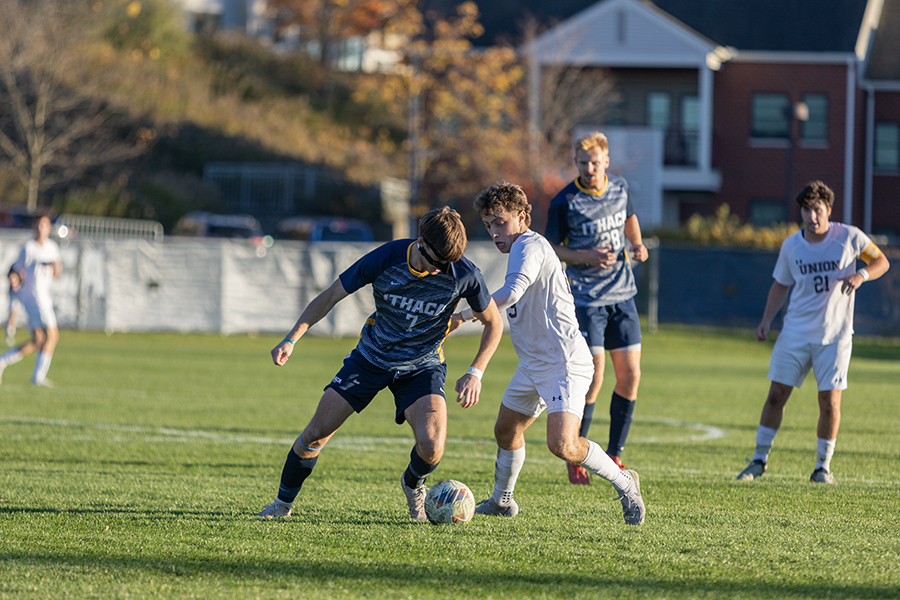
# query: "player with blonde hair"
(595, 231)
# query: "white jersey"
(542, 322)
(35, 262)
(819, 312)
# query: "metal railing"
(86, 226)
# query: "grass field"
(138, 476)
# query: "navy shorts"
(611, 327)
(359, 381)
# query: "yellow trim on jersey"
(871, 253)
(409, 264)
(593, 192)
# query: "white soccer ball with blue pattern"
(449, 501)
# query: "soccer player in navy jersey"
(589, 222)
(817, 267)
(417, 285)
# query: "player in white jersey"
(819, 262)
(38, 264)
(555, 365)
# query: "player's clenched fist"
(282, 352)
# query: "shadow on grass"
(317, 575)
(310, 518)
(886, 349)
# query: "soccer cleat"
(755, 469)
(578, 475)
(277, 509)
(821, 475)
(618, 462)
(632, 503)
(489, 507)
(43, 383)
(415, 498)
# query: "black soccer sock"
(586, 419)
(620, 411)
(294, 473)
(417, 470)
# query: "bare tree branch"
(49, 131)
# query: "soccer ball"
(450, 501)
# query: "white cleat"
(276, 510)
(821, 475)
(489, 507)
(632, 502)
(415, 499)
(755, 469)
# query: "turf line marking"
(706, 432)
(387, 445)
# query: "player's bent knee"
(565, 449)
(430, 454)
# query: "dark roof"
(503, 20)
(884, 60)
(762, 25)
(773, 25)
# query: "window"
(659, 110)
(617, 112)
(765, 212)
(769, 116)
(350, 54)
(815, 128)
(690, 113)
(887, 146)
(690, 126)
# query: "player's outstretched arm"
(777, 296)
(320, 306)
(468, 387)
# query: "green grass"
(139, 474)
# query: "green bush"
(726, 229)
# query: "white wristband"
(864, 273)
(476, 372)
(467, 314)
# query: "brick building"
(751, 98)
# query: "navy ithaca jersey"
(412, 309)
(583, 220)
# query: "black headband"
(437, 254)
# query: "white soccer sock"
(824, 452)
(506, 471)
(10, 357)
(41, 366)
(598, 462)
(765, 436)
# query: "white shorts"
(563, 390)
(40, 312)
(792, 360)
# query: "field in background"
(138, 474)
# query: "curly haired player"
(555, 365)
